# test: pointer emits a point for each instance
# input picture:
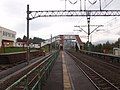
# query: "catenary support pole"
(28, 50)
(88, 21)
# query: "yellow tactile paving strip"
(66, 79)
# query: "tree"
(18, 39)
(37, 40)
(117, 43)
(25, 38)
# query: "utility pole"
(51, 44)
(88, 22)
(80, 5)
(100, 4)
(28, 49)
(88, 33)
(65, 4)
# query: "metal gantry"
(88, 33)
(66, 13)
(72, 13)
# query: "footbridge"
(61, 38)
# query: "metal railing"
(102, 55)
(36, 77)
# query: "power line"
(108, 4)
(73, 2)
(104, 7)
(100, 6)
(92, 2)
(114, 28)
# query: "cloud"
(13, 16)
(105, 5)
(118, 33)
(20, 28)
(38, 25)
(114, 5)
(104, 37)
(46, 4)
(102, 41)
(13, 8)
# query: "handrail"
(42, 69)
(101, 54)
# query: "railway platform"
(64, 70)
(65, 75)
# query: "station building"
(7, 37)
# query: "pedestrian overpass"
(61, 38)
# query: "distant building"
(116, 51)
(7, 37)
(21, 43)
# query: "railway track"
(11, 74)
(111, 66)
(7, 69)
(30, 77)
(7, 66)
(99, 79)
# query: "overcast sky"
(13, 16)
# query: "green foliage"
(13, 49)
(35, 40)
(24, 38)
(19, 39)
(108, 47)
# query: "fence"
(35, 78)
(104, 56)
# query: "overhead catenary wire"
(108, 4)
(100, 6)
(104, 7)
(92, 2)
(73, 2)
(115, 28)
(95, 3)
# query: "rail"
(102, 55)
(97, 79)
(40, 72)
